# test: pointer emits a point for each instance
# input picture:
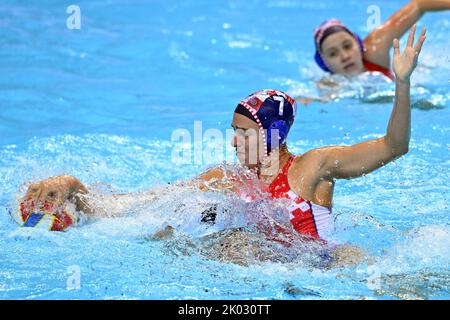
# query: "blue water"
(101, 104)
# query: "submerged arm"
(214, 179)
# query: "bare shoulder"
(316, 157)
(314, 166)
(309, 167)
(310, 178)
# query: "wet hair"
(331, 30)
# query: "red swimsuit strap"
(287, 165)
(370, 66)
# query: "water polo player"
(262, 122)
(341, 51)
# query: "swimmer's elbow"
(396, 150)
(405, 150)
(397, 153)
(401, 151)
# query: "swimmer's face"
(247, 141)
(342, 54)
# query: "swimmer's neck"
(272, 164)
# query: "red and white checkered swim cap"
(271, 110)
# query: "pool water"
(101, 103)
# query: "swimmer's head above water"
(262, 122)
(341, 51)
(338, 50)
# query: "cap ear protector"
(283, 130)
(321, 63)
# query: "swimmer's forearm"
(214, 179)
(400, 22)
(117, 205)
(399, 127)
(432, 5)
(379, 41)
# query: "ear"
(283, 130)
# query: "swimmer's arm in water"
(59, 190)
(324, 85)
(214, 179)
(354, 161)
(307, 100)
(379, 41)
(345, 255)
(62, 189)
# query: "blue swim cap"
(271, 110)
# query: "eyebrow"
(330, 49)
(236, 127)
(345, 41)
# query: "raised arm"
(379, 41)
(357, 160)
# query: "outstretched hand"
(55, 191)
(405, 63)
